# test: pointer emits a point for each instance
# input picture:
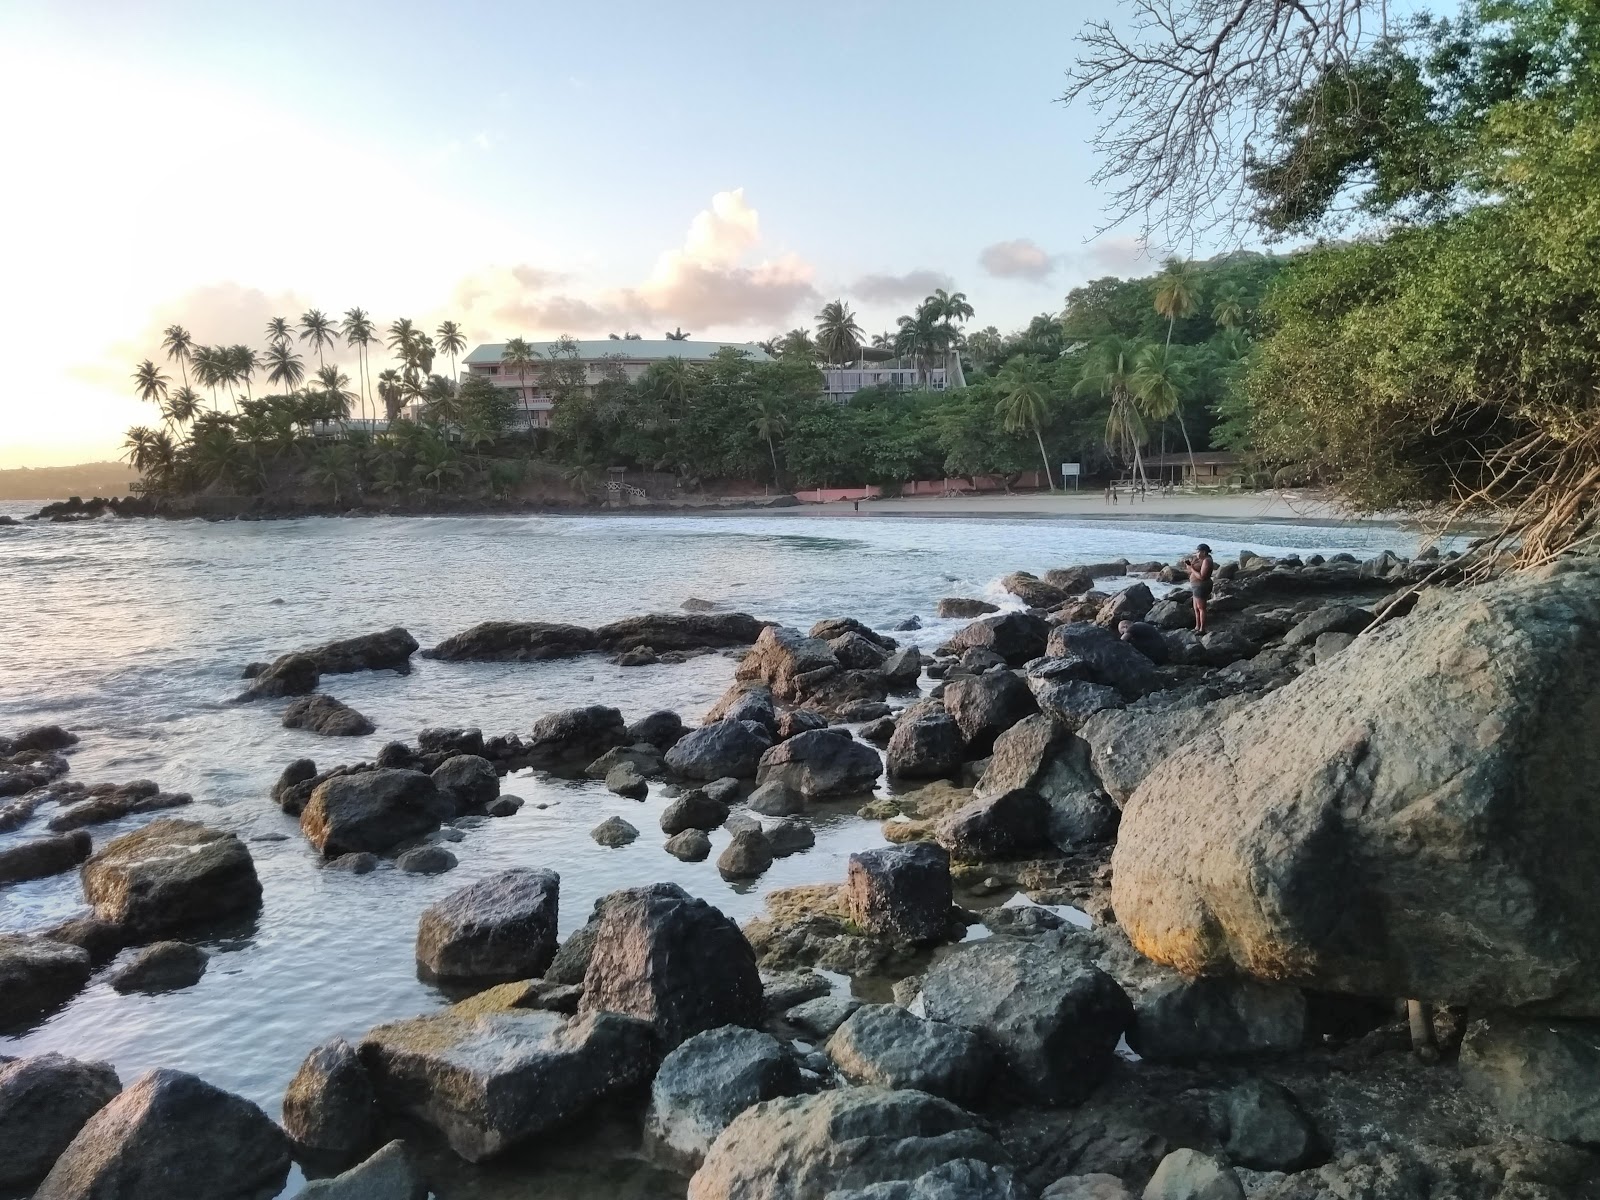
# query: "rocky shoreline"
(1297, 909)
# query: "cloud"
(1022, 258)
(913, 285)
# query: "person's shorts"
(1201, 590)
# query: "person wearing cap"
(1200, 566)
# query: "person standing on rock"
(1201, 567)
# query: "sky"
(526, 169)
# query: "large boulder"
(721, 750)
(1033, 591)
(288, 675)
(1126, 744)
(708, 1081)
(44, 856)
(1130, 604)
(1015, 636)
(1064, 691)
(985, 706)
(169, 875)
(571, 739)
(468, 781)
(745, 702)
(1041, 755)
(857, 652)
(672, 961)
(806, 1147)
(171, 1134)
(885, 1045)
(1330, 618)
(660, 729)
(321, 713)
(514, 641)
(1006, 825)
(373, 811)
(901, 893)
(679, 631)
(387, 1175)
(902, 669)
(1107, 659)
(926, 743)
(36, 975)
(491, 1080)
(1377, 824)
(44, 1102)
(502, 927)
(963, 607)
(1074, 581)
(1052, 1020)
(821, 765)
(329, 1109)
(389, 650)
(1541, 1075)
(788, 662)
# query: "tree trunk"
(1194, 472)
(1044, 458)
(773, 450)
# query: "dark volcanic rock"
(1331, 618)
(1013, 824)
(1542, 1075)
(171, 1135)
(451, 740)
(42, 857)
(1014, 636)
(957, 606)
(44, 738)
(986, 706)
(390, 650)
(162, 967)
(1108, 659)
(673, 961)
(901, 892)
(169, 875)
(692, 845)
(660, 729)
(680, 631)
(790, 663)
(290, 675)
(502, 927)
(820, 764)
(708, 1081)
(515, 641)
(1130, 604)
(836, 627)
(884, 1045)
(693, 810)
(320, 713)
(102, 940)
(390, 1174)
(1041, 755)
(926, 743)
(373, 811)
(720, 750)
(44, 1102)
(467, 781)
(113, 802)
(37, 974)
(1033, 591)
(573, 738)
(329, 1108)
(746, 856)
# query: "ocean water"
(133, 634)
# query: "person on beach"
(1200, 567)
(1145, 638)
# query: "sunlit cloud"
(1021, 258)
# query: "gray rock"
(360, 863)
(902, 669)
(504, 806)
(1098, 1186)
(806, 1147)
(1014, 636)
(614, 832)
(959, 1179)
(708, 1081)
(1127, 744)
(490, 1081)
(726, 789)
(742, 822)
(36, 975)
(693, 810)
(387, 1175)
(1071, 702)
(44, 1102)
(821, 765)
(1539, 1074)
(625, 780)
(287, 675)
(673, 961)
(1013, 824)
(1130, 604)
(644, 758)
(571, 739)
(858, 652)
(660, 729)
(162, 967)
(745, 702)
(1033, 591)
(452, 740)
(514, 641)
(878, 731)
(1329, 644)
(502, 927)
(788, 836)
(886, 1046)
(776, 799)
(320, 713)
(926, 743)
(785, 989)
(1040, 754)
(1181, 1018)
(820, 1017)
(788, 662)
(1053, 1022)
(426, 860)
(1330, 618)
(329, 1109)
(169, 875)
(960, 607)
(1107, 659)
(43, 857)
(692, 845)
(986, 706)
(1268, 1130)
(1074, 581)
(1190, 1175)
(168, 1135)
(721, 749)
(373, 811)
(467, 781)
(746, 856)
(901, 893)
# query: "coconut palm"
(1108, 370)
(770, 423)
(389, 392)
(284, 367)
(1025, 405)
(518, 356)
(333, 467)
(1177, 292)
(177, 342)
(279, 330)
(181, 408)
(838, 335)
(150, 452)
(402, 333)
(452, 342)
(359, 332)
(678, 335)
(436, 463)
(1228, 309)
(317, 328)
(242, 363)
(335, 386)
(916, 337)
(797, 343)
(672, 379)
(1159, 378)
(150, 383)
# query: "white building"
(840, 383)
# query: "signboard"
(1072, 471)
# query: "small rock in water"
(505, 806)
(614, 831)
(692, 845)
(742, 822)
(625, 780)
(448, 834)
(163, 967)
(387, 1175)
(725, 789)
(426, 860)
(746, 856)
(359, 863)
(820, 1017)
(329, 1109)
(788, 837)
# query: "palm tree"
(436, 462)
(678, 335)
(916, 336)
(452, 342)
(389, 392)
(770, 423)
(331, 467)
(317, 328)
(1177, 292)
(1158, 381)
(672, 379)
(150, 383)
(359, 331)
(149, 451)
(177, 342)
(335, 385)
(838, 335)
(1108, 371)
(207, 370)
(182, 407)
(949, 310)
(279, 330)
(518, 356)
(1228, 309)
(284, 367)
(1025, 406)
(242, 362)
(797, 343)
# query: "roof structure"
(638, 350)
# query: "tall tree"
(279, 330)
(150, 383)
(177, 342)
(1177, 292)
(770, 423)
(838, 335)
(1228, 307)
(1024, 405)
(242, 363)
(335, 386)
(452, 342)
(317, 328)
(284, 367)
(1158, 381)
(359, 332)
(518, 356)
(678, 335)
(1108, 370)
(389, 384)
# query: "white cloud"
(1022, 258)
(912, 286)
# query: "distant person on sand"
(1201, 567)
(1145, 638)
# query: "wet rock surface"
(44, 1102)
(171, 875)
(708, 1081)
(502, 927)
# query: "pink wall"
(921, 487)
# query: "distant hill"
(57, 483)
